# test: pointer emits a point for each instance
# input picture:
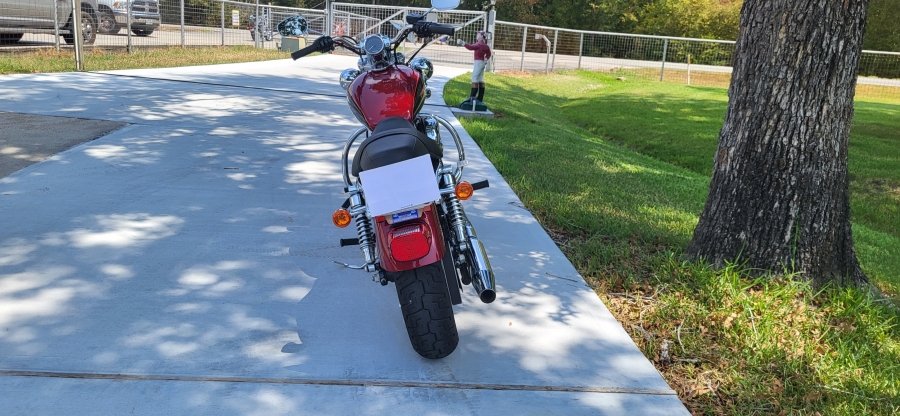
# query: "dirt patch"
(879, 186)
(26, 139)
(517, 74)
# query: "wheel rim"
(87, 28)
(107, 23)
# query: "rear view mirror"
(444, 4)
(293, 26)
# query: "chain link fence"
(701, 62)
(46, 22)
(136, 24)
(26, 25)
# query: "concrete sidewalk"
(183, 264)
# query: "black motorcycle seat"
(394, 140)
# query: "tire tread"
(427, 311)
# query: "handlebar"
(439, 29)
(326, 44)
(305, 51)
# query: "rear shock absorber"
(363, 228)
(455, 214)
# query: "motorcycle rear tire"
(427, 311)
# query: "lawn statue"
(475, 101)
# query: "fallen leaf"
(813, 397)
(728, 320)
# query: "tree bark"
(779, 197)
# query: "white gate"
(359, 20)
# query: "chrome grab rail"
(346, 154)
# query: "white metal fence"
(702, 62)
(517, 47)
(359, 20)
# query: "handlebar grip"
(303, 52)
(441, 29)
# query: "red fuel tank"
(396, 91)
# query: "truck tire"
(108, 25)
(141, 32)
(427, 311)
(88, 29)
(7, 38)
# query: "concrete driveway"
(182, 264)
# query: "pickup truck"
(145, 17)
(18, 17)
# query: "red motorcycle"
(404, 197)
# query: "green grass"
(619, 171)
(99, 60)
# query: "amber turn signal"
(341, 218)
(464, 191)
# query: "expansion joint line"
(327, 382)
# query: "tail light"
(409, 242)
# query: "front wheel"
(141, 32)
(427, 311)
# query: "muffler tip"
(488, 296)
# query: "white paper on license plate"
(400, 186)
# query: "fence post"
(77, 35)
(555, 38)
(223, 22)
(405, 12)
(580, 49)
(128, 26)
(56, 25)
(329, 19)
(492, 28)
(662, 69)
(689, 70)
(182, 22)
(524, 40)
(256, 40)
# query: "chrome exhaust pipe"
(483, 275)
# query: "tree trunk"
(779, 197)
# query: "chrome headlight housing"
(378, 52)
(348, 76)
(424, 66)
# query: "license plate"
(404, 216)
(401, 186)
(148, 21)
